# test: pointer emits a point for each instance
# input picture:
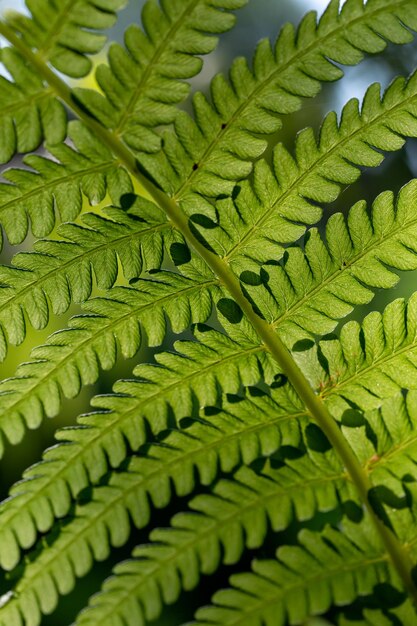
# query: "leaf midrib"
(52, 183)
(53, 34)
(175, 27)
(349, 264)
(29, 99)
(272, 599)
(411, 346)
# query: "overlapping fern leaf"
(274, 440)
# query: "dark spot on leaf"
(236, 191)
(388, 596)
(186, 422)
(264, 276)
(180, 253)
(210, 411)
(256, 392)
(352, 511)
(203, 220)
(376, 501)
(233, 398)
(127, 200)
(195, 167)
(199, 236)
(224, 126)
(279, 381)
(303, 345)
(384, 495)
(329, 337)
(250, 278)
(202, 328)
(316, 439)
(353, 419)
(322, 359)
(230, 310)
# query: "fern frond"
(374, 360)
(230, 517)
(62, 33)
(321, 280)
(271, 211)
(390, 432)
(219, 519)
(207, 156)
(153, 400)
(320, 168)
(217, 366)
(48, 190)
(325, 569)
(180, 551)
(332, 278)
(217, 529)
(235, 515)
(149, 404)
(402, 614)
(73, 357)
(29, 111)
(309, 293)
(145, 80)
(58, 272)
(195, 419)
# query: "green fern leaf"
(217, 530)
(404, 614)
(16, 405)
(323, 279)
(28, 110)
(63, 33)
(49, 189)
(73, 357)
(284, 199)
(219, 147)
(58, 272)
(380, 125)
(374, 361)
(138, 405)
(144, 81)
(304, 580)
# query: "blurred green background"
(261, 18)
